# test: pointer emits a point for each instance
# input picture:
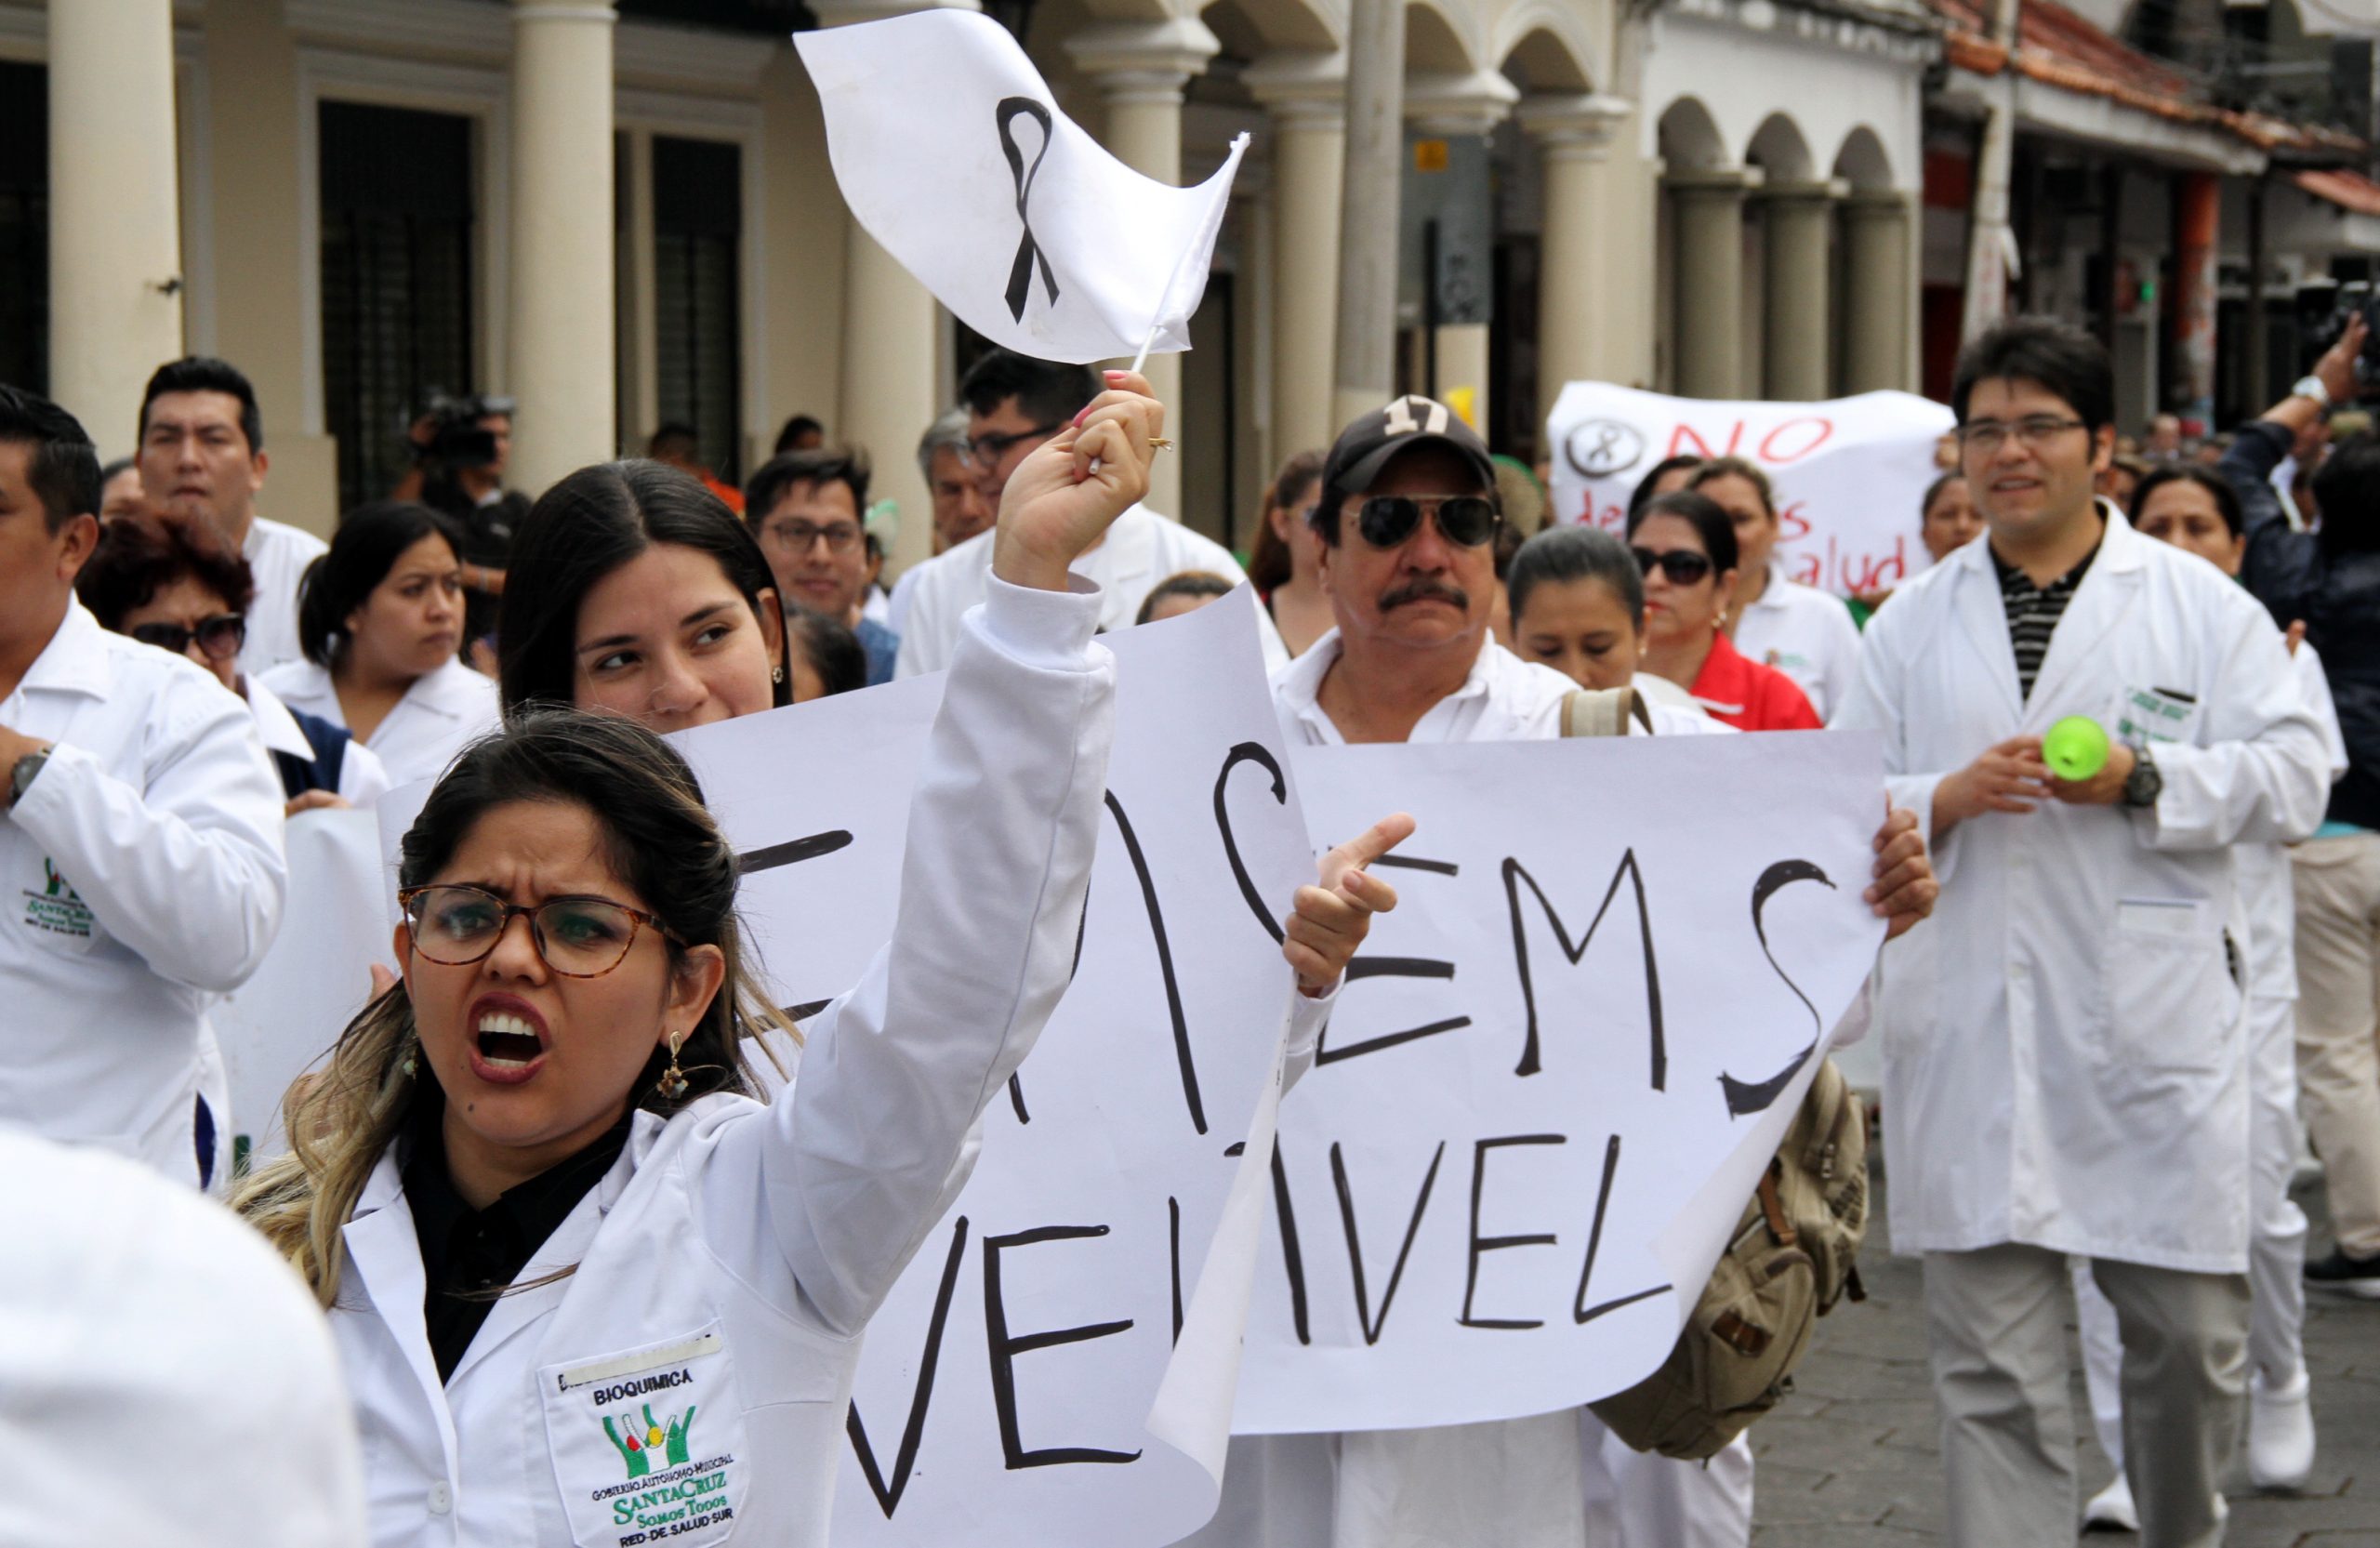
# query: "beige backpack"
(1793, 1255)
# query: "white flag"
(951, 152)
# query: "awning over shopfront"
(2076, 82)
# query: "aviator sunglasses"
(1466, 521)
(1684, 566)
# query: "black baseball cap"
(1366, 447)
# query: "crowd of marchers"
(2122, 1005)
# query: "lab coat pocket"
(2169, 998)
(648, 1442)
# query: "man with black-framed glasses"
(2066, 1052)
(809, 511)
(1013, 404)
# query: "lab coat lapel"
(387, 1258)
(2109, 590)
(517, 1311)
(1983, 618)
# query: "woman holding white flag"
(582, 1279)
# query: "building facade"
(624, 214)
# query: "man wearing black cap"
(1407, 519)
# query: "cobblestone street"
(1850, 1460)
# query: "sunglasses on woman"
(220, 637)
(1684, 566)
(1466, 521)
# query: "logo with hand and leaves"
(636, 1444)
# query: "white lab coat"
(442, 713)
(277, 555)
(1553, 1480)
(141, 872)
(732, 1258)
(2064, 1043)
(363, 779)
(1140, 549)
(1806, 634)
(164, 1379)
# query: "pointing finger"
(1365, 847)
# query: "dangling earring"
(673, 1084)
(777, 674)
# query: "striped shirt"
(2033, 613)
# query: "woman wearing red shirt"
(1686, 547)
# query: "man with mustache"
(1407, 519)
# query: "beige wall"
(804, 229)
(251, 65)
(246, 209)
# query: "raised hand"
(2336, 368)
(1328, 921)
(1063, 498)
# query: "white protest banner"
(1556, 1071)
(1848, 472)
(282, 1021)
(1006, 1388)
(952, 152)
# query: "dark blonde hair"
(658, 838)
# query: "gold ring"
(1160, 444)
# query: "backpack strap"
(1772, 1206)
(1604, 712)
(1824, 1106)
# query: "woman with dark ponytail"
(380, 617)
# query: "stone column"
(1797, 330)
(1141, 69)
(1306, 96)
(1575, 137)
(1709, 237)
(1876, 326)
(1370, 191)
(1463, 107)
(892, 329)
(561, 330)
(115, 308)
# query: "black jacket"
(2338, 596)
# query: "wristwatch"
(22, 776)
(2144, 785)
(2311, 387)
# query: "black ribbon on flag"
(1028, 251)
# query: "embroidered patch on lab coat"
(2145, 715)
(55, 911)
(647, 1443)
